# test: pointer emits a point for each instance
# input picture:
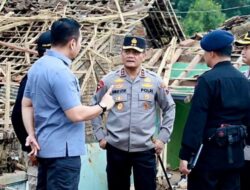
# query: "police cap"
(133, 42)
(245, 40)
(43, 42)
(217, 40)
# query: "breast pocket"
(146, 101)
(121, 102)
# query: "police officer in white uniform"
(131, 123)
(245, 182)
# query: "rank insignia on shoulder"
(142, 73)
(100, 85)
(122, 72)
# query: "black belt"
(226, 136)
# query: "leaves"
(203, 15)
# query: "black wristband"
(103, 108)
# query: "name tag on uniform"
(147, 90)
(119, 91)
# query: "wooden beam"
(184, 74)
(167, 56)
(155, 57)
(18, 48)
(119, 12)
(7, 96)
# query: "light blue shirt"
(53, 89)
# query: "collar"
(223, 63)
(122, 72)
(247, 73)
(59, 55)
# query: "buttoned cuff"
(100, 134)
(164, 136)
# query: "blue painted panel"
(16, 186)
(93, 170)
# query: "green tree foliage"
(230, 7)
(235, 7)
(200, 18)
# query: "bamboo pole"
(18, 48)
(75, 64)
(7, 96)
(2, 4)
(167, 56)
(88, 74)
(192, 65)
(119, 12)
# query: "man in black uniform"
(220, 103)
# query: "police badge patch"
(100, 85)
(120, 106)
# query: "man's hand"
(103, 144)
(107, 99)
(32, 142)
(183, 167)
(159, 145)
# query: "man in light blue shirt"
(52, 111)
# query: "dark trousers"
(59, 173)
(214, 180)
(244, 176)
(120, 163)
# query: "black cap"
(43, 42)
(217, 40)
(133, 42)
(245, 40)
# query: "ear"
(212, 53)
(72, 44)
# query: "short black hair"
(227, 51)
(64, 30)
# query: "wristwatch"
(104, 108)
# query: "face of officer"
(132, 59)
(246, 54)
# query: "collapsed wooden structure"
(104, 24)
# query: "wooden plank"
(87, 76)
(9, 26)
(184, 74)
(75, 64)
(7, 96)
(119, 12)
(18, 48)
(167, 56)
(155, 57)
